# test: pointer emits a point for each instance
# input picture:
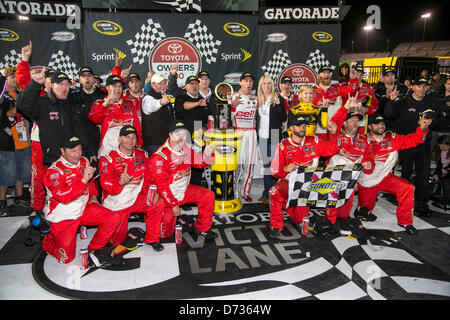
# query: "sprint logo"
(120, 53)
(243, 56)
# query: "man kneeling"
(125, 179)
(170, 167)
(71, 202)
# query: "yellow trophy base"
(229, 206)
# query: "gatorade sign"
(173, 50)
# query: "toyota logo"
(297, 72)
(174, 48)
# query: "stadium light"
(367, 29)
(425, 16)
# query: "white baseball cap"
(157, 78)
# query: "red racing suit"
(67, 207)
(351, 150)
(385, 153)
(38, 168)
(336, 96)
(111, 119)
(131, 197)
(366, 97)
(305, 154)
(136, 100)
(171, 173)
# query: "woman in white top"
(271, 115)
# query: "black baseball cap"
(134, 75)
(247, 74)
(286, 79)
(176, 124)
(324, 68)
(59, 77)
(72, 142)
(203, 73)
(298, 121)
(354, 114)
(49, 73)
(376, 118)
(96, 76)
(85, 69)
(428, 114)
(386, 71)
(113, 79)
(421, 80)
(126, 130)
(191, 78)
(359, 68)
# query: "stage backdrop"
(298, 51)
(224, 45)
(53, 44)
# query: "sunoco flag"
(322, 187)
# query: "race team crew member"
(170, 168)
(353, 148)
(367, 101)
(71, 202)
(134, 92)
(297, 150)
(125, 180)
(290, 98)
(243, 118)
(38, 168)
(112, 113)
(329, 97)
(385, 148)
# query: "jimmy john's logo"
(236, 29)
(106, 27)
(276, 37)
(8, 35)
(322, 36)
(325, 185)
(62, 36)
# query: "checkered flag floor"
(204, 41)
(61, 62)
(322, 187)
(316, 59)
(12, 57)
(151, 33)
(184, 5)
(280, 60)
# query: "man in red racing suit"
(125, 179)
(170, 167)
(112, 113)
(385, 147)
(71, 202)
(297, 150)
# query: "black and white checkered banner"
(322, 187)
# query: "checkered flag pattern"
(61, 62)
(184, 5)
(322, 187)
(280, 60)
(198, 35)
(151, 33)
(316, 59)
(12, 57)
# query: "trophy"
(223, 92)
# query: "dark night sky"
(399, 20)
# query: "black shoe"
(275, 233)
(209, 235)
(364, 214)
(103, 257)
(157, 246)
(408, 228)
(3, 208)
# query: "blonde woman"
(306, 108)
(271, 115)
